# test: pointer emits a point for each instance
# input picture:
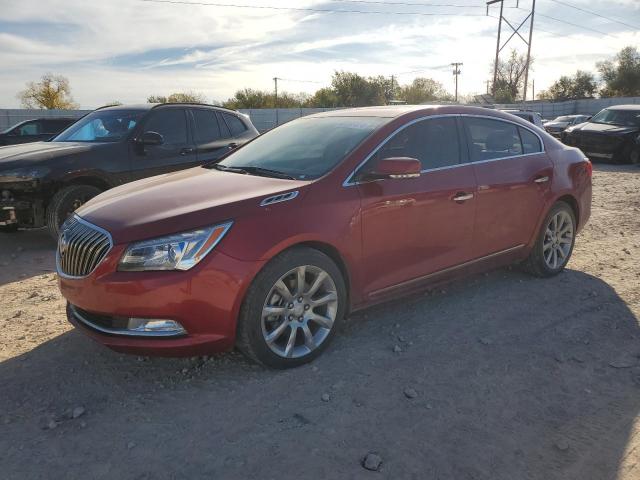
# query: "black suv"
(612, 134)
(42, 183)
(34, 130)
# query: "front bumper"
(205, 300)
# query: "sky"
(126, 50)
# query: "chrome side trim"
(348, 182)
(94, 227)
(442, 272)
(282, 197)
(118, 331)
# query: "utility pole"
(516, 31)
(392, 84)
(533, 89)
(456, 71)
(487, 82)
(526, 73)
(495, 65)
(275, 103)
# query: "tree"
(323, 98)
(580, 85)
(250, 98)
(353, 90)
(51, 92)
(178, 97)
(423, 90)
(621, 75)
(510, 77)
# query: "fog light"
(155, 325)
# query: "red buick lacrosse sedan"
(269, 248)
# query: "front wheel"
(65, 202)
(555, 242)
(292, 309)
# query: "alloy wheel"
(558, 240)
(299, 311)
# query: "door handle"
(186, 151)
(232, 145)
(462, 197)
(543, 179)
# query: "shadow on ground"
(515, 378)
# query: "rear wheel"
(633, 156)
(292, 309)
(555, 242)
(65, 202)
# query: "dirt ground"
(501, 376)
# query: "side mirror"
(151, 139)
(396, 168)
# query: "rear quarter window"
(236, 125)
(530, 141)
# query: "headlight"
(180, 251)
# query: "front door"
(514, 176)
(419, 226)
(176, 151)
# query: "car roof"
(150, 106)
(395, 111)
(624, 107)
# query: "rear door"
(175, 153)
(211, 135)
(414, 227)
(514, 176)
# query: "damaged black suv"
(611, 134)
(42, 183)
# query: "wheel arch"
(572, 202)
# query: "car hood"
(556, 124)
(27, 154)
(180, 201)
(606, 129)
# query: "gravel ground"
(500, 376)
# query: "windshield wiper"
(264, 172)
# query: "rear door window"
(490, 139)
(171, 123)
(207, 128)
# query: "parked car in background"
(269, 248)
(532, 117)
(557, 126)
(34, 130)
(42, 183)
(611, 134)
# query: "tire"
(633, 155)
(289, 314)
(65, 202)
(541, 261)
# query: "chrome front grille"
(81, 247)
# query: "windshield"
(627, 118)
(306, 148)
(101, 126)
(563, 119)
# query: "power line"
(408, 4)
(573, 24)
(595, 13)
(315, 10)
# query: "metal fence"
(587, 106)
(267, 118)
(9, 117)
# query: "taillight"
(588, 167)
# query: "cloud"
(128, 49)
